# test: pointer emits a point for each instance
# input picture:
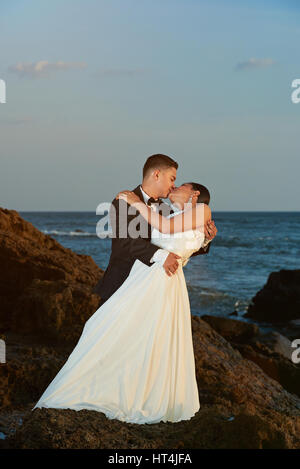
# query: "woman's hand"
(129, 197)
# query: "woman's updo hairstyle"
(204, 196)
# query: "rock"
(54, 309)
(68, 429)
(234, 313)
(30, 366)
(279, 299)
(10, 420)
(291, 329)
(44, 287)
(241, 407)
(271, 351)
(232, 329)
(277, 343)
(274, 365)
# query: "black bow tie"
(152, 201)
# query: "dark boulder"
(279, 300)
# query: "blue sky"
(94, 87)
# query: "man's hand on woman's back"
(171, 264)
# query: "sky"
(94, 87)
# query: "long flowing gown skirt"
(134, 360)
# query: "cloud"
(43, 68)
(255, 63)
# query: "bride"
(134, 360)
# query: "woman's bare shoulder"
(203, 210)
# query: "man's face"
(181, 194)
(166, 181)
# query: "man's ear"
(195, 196)
(156, 173)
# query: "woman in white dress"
(134, 360)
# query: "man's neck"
(148, 191)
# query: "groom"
(159, 175)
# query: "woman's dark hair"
(204, 196)
(158, 161)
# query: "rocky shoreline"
(249, 387)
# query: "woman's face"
(181, 194)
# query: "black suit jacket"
(125, 250)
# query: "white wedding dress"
(135, 360)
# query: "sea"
(247, 248)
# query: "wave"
(227, 301)
(206, 291)
(69, 233)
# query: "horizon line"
(215, 211)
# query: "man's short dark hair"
(158, 161)
(204, 196)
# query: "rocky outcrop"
(241, 407)
(279, 300)
(46, 292)
(45, 289)
(270, 350)
(29, 368)
(45, 299)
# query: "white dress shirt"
(161, 254)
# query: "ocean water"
(247, 248)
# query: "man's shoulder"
(137, 190)
(117, 202)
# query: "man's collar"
(146, 196)
(138, 192)
(143, 196)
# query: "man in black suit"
(159, 175)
